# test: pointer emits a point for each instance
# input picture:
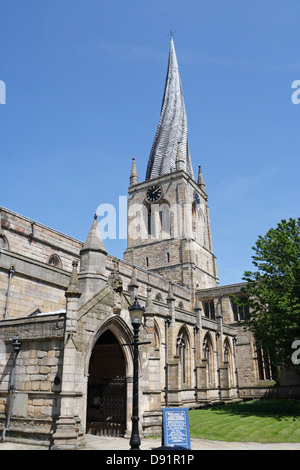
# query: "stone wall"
(29, 280)
(32, 239)
(36, 401)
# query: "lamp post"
(196, 329)
(167, 324)
(136, 315)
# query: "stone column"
(219, 344)
(133, 286)
(67, 427)
(174, 366)
(151, 373)
(93, 257)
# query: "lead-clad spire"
(172, 126)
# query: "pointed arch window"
(149, 222)
(182, 352)
(226, 352)
(55, 261)
(3, 241)
(240, 311)
(207, 351)
(156, 336)
(165, 220)
(263, 364)
(209, 309)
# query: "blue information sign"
(176, 432)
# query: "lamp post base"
(135, 440)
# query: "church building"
(66, 363)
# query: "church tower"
(168, 215)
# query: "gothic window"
(181, 305)
(263, 364)
(149, 222)
(159, 297)
(228, 363)
(3, 242)
(156, 336)
(181, 351)
(199, 225)
(226, 352)
(55, 261)
(240, 312)
(207, 351)
(209, 309)
(164, 218)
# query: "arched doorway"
(106, 400)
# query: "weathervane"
(171, 33)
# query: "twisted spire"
(172, 126)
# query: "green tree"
(272, 292)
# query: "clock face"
(154, 193)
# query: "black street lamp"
(136, 315)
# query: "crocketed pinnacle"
(73, 288)
(133, 175)
(172, 126)
(94, 240)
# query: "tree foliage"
(272, 292)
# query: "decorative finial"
(73, 288)
(133, 281)
(180, 165)
(133, 175)
(116, 265)
(201, 182)
(171, 34)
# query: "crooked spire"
(172, 126)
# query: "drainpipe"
(234, 340)
(218, 365)
(16, 347)
(167, 324)
(11, 272)
(196, 328)
(222, 310)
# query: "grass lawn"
(264, 421)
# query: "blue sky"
(84, 84)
